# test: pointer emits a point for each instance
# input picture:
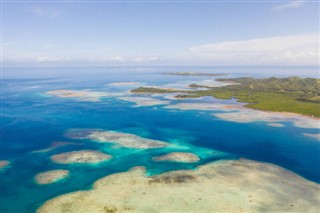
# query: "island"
(292, 94)
(52, 176)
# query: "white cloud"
(145, 59)
(51, 59)
(142, 59)
(290, 5)
(281, 50)
(116, 59)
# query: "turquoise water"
(32, 120)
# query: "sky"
(146, 32)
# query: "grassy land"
(297, 95)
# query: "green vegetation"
(294, 94)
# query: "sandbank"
(223, 186)
(51, 176)
(83, 156)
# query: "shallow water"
(32, 120)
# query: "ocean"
(32, 120)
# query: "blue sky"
(161, 32)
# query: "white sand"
(84, 156)
(180, 157)
(51, 176)
(224, 186)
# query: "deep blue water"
(32, 120)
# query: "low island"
(293, 94)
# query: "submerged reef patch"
(83, 95)
(51, 176)
(315, 136)
(119, 138)
(222, 186)
(144, 101)
(204, 106)
(4, 164)
(83, 156)
(275, 124)
(248, 115)
(56, 145)
(181, 157)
